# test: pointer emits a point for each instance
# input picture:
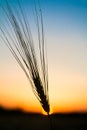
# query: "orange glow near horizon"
(34, 106)
(68, 98)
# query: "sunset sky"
(65, 25)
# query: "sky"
(65, 27)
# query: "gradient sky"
(65, 24)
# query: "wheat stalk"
(21, 44)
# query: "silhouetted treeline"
(17, 119)
(17, 111)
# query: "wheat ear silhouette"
(21, 44)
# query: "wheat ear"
(21, 45)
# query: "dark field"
(17, 120)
